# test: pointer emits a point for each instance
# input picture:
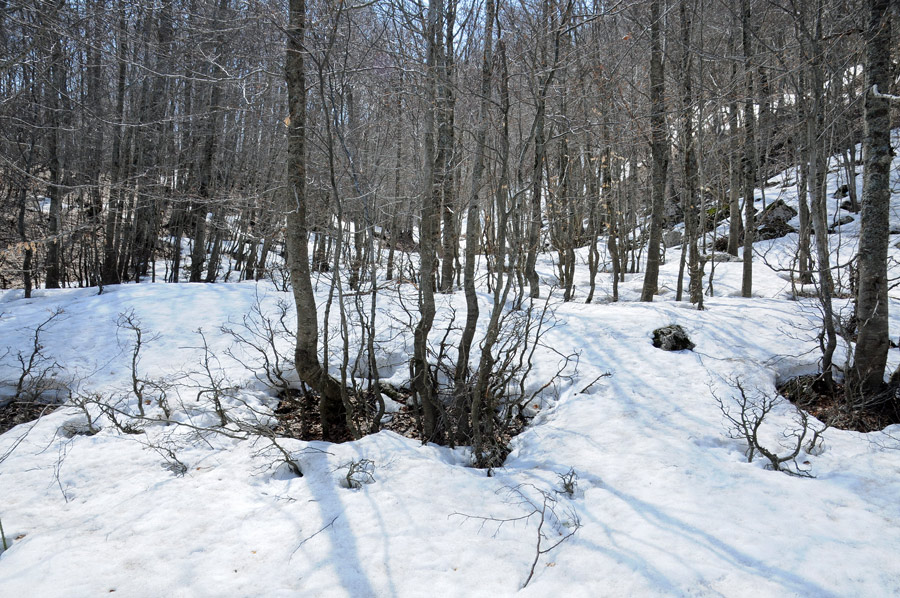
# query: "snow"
(666, 502)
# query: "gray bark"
(659, 153)
(872, 343)
(306, 358)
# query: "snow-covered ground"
(665, 502)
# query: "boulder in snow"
(671, 338)
(841, 222)
(722, 257)
(773, 222)
(672, 238)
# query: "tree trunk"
(659, 153)
(428, 235)
(473, 220)
(804, 257)
(691, 201)
(870, 357)
(818, 162)
(749, 158)
(56, 88)
(306, 358)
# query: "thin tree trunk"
(659, 153)
(428, 234)
(306, 358)
(749, 158)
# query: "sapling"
(568, 482)
(264, 337)
(359, 472)
(36, 369)
(3, 537)
(211, 383)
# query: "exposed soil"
(298, 416)
(831, 406)
(19, 412)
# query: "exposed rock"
(842, 192)
(674, 213)
(722, 257)
(848, 206)
(716, 213)
(773, 222)
(672, 238)
(671, 338)
(841, 222)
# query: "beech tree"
(872, 344)
(659, 152)
(306, 353)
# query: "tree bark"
(306, 358)
(428, 236)
(870, 357)
(659, 153)
(749, 159)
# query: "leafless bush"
(36, 370)
(264, 336)
(281, 276)
(211, 383)
(359, 472)
(489, 401)
(86, 403)
(502, 388)
(129, 322)
(568, 482)
(746, 415)
(552, 530)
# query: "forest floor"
(663, 502)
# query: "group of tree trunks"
(150, 139)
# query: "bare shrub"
(359, 472)
(264, 336)
(36, 370)
(552, 529)
(211, 384)
(746, 414)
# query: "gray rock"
(672, 338)
(773, 222)
(672, 238)
(848, 206)
(722, 257)
(841, 222)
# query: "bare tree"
(659, 152)
(870, 357)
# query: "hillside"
(663, 502)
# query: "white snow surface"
(667, 503)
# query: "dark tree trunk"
(870, 357)
(422, 381)
(306, 358)
(749, 159)
(56, 89)
(659, 153)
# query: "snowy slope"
(666, 502)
